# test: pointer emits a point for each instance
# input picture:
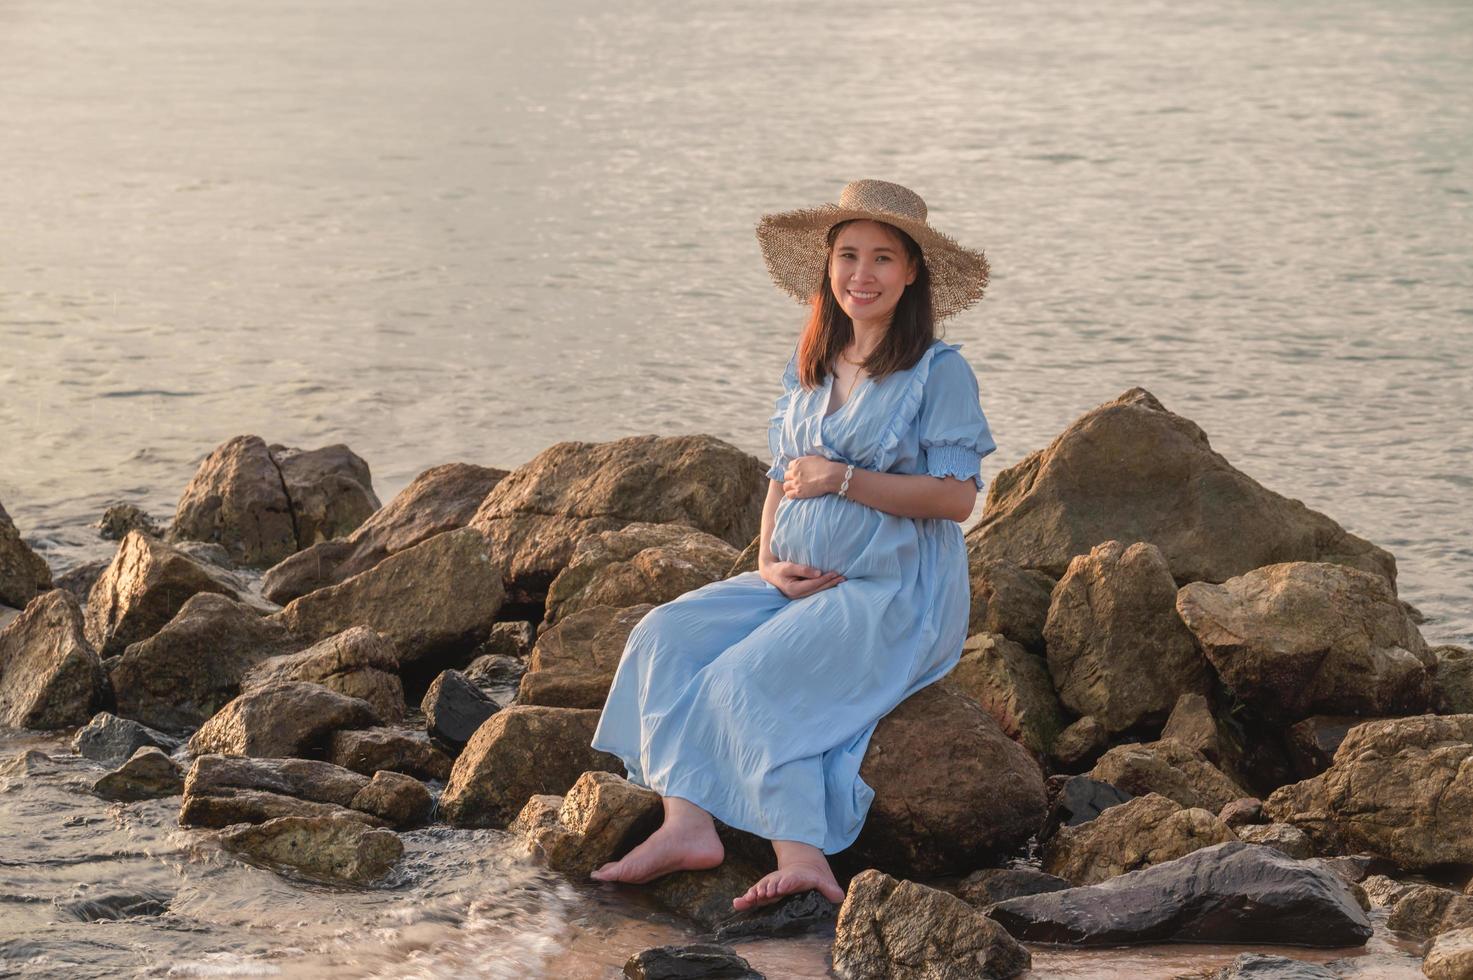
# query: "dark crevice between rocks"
(291, 509)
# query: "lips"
(862, 297)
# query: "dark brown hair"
(829, 329)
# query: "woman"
(753, 699)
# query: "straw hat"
(795, 244)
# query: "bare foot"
(798, 876)
(676, 846)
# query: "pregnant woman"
(752, 699)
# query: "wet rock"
(1453, 683)
(991, 885)
(1400, 788)
(638, 563)
(1080, 800)
(1280, 836)
(705, 897)
(404, 598)
(1385, 891)
(602, 817)
(111, 740)
(1303, 638)
(519, 752)
(23, 573)
(1232, 892)
(1451, 956)
(369, 750)
(50, 677)
(148, 775)
(1142, 832)
(902, 930)
(119, 519)
(280, 720)
(1009, 600)
(357, 662)
(1171, 769)
(1117, 649)
(330, 490)
(535, 517)
(951, 790)
(188, 670)
(1426, 911)
(322, 847)
(454, 708)
(496, 674)
(1013, 685)
(121, 905)
(222, 790)
(401, 801)
(440, 499)
(573, 663)
(1257, 966)
(794, 915)
(1248, 810)
(1081, 744)
(1133, 471)
(690, 962)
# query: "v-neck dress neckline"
(828, 394)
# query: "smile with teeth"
(865, 297)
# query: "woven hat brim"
(795, 249)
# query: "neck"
(867, 336)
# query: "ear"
(910, 277)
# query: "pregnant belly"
(827, 532)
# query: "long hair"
(829, 329)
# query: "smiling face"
(869, 270)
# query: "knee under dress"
(758, 707)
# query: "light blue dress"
(758, 707)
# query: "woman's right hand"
(797, 581)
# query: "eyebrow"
(877, 248)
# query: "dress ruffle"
(775, 424)
(907, 408)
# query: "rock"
(1079, 801)
(221, 790)
(79, 580)
(1013, 685)
(454, 708)
(111, 740)
(330, 491)
(1384, 891)
(404, 598)
(1117, 649)
(148, 775)
(1009, 600)
(440, 499)
(951, 790)
(573, 663)
(905, 931)
(401, 801)
(1133, 471)
(1451, 956)
(50, 677)
(704, 897)
(1196, 725)
(8, 616)
(747, 560)
(602, 817)
(324, 847)
(509, 639)
(1239, 813)
(23, 573)
(123, 905)
(1427, 911)
(696, 960)
(356, 662)
(1081, 744)
(281, 720)
(1229, 893)
(1400, 788)
(1453, 684)
(192, 667)
(1168, 768)
(1257, 966)
(1280, 836)
(794, 915)
(368, 750)
(1137, 834)
(498, 675)
(1312, 742)
(1356, 868)
(535, 517)
(991, 885)
(519, 752)
(1303, 638)
(119, 519)
(638, 563)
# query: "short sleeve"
(953, 430)
(779, 418)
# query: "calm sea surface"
(465, 231)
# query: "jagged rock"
(440, 499)
(330, 491)
(536, 516)
(454, 708)
(992, 885)
(223, 790)
(148, 775)
(951, 790)
(1453, 685)
(1080, 744)
(405, 598)
(1400, 788)
(1131, 470)
(1451, 956)
(689, 962)
(119, 519)
(369, 750)
(1013, 685)
(188, 670)
(111, 740)
(638, 563)
(325, 847)
(573, 663)
(1117, 649)
(50, 677)
(79, 580)
(791, 916)
(600, 819)
(519, 752)
(1080, 800)
(401, 801)
(1280, 836)
(1239, 813)
(1168, 768)
(356, 662)
(23, 573)
(1426, 911)
(1303, 638)
(1136, 834)
(281, 720)
(905, 931)
(1009, 600)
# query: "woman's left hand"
(811, 476)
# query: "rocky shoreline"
(1201, 705)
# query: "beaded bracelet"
(844, 487)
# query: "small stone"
(401, 800)
(326, 847)
(794, 915)
(1238, 813)
(693, 962)
(454, 708)
(111, 740)
(1080, 744)
(119, 519)
(148, 775)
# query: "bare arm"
(765, 556)
(901, 494)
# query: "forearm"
(912, 495)
(769, 515)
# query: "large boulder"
(1136, 834)
(900, 930)
(1009, 600)
(320, 847)
(573, 663)
(1229, 893)
(1013, 685)
(191, 667)
(1401, 788)
(1130, 470)
(1302, 638)
(279, 720)
(330, 491)
(442, 498)
(1451, 956)
(1117, 649)
(536, 517)
(50, 677)
(1454, 681)
(951, 789)
(405, 597)
(23, 573)
(1171, 769)
(356, 662)
(1425, 911)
